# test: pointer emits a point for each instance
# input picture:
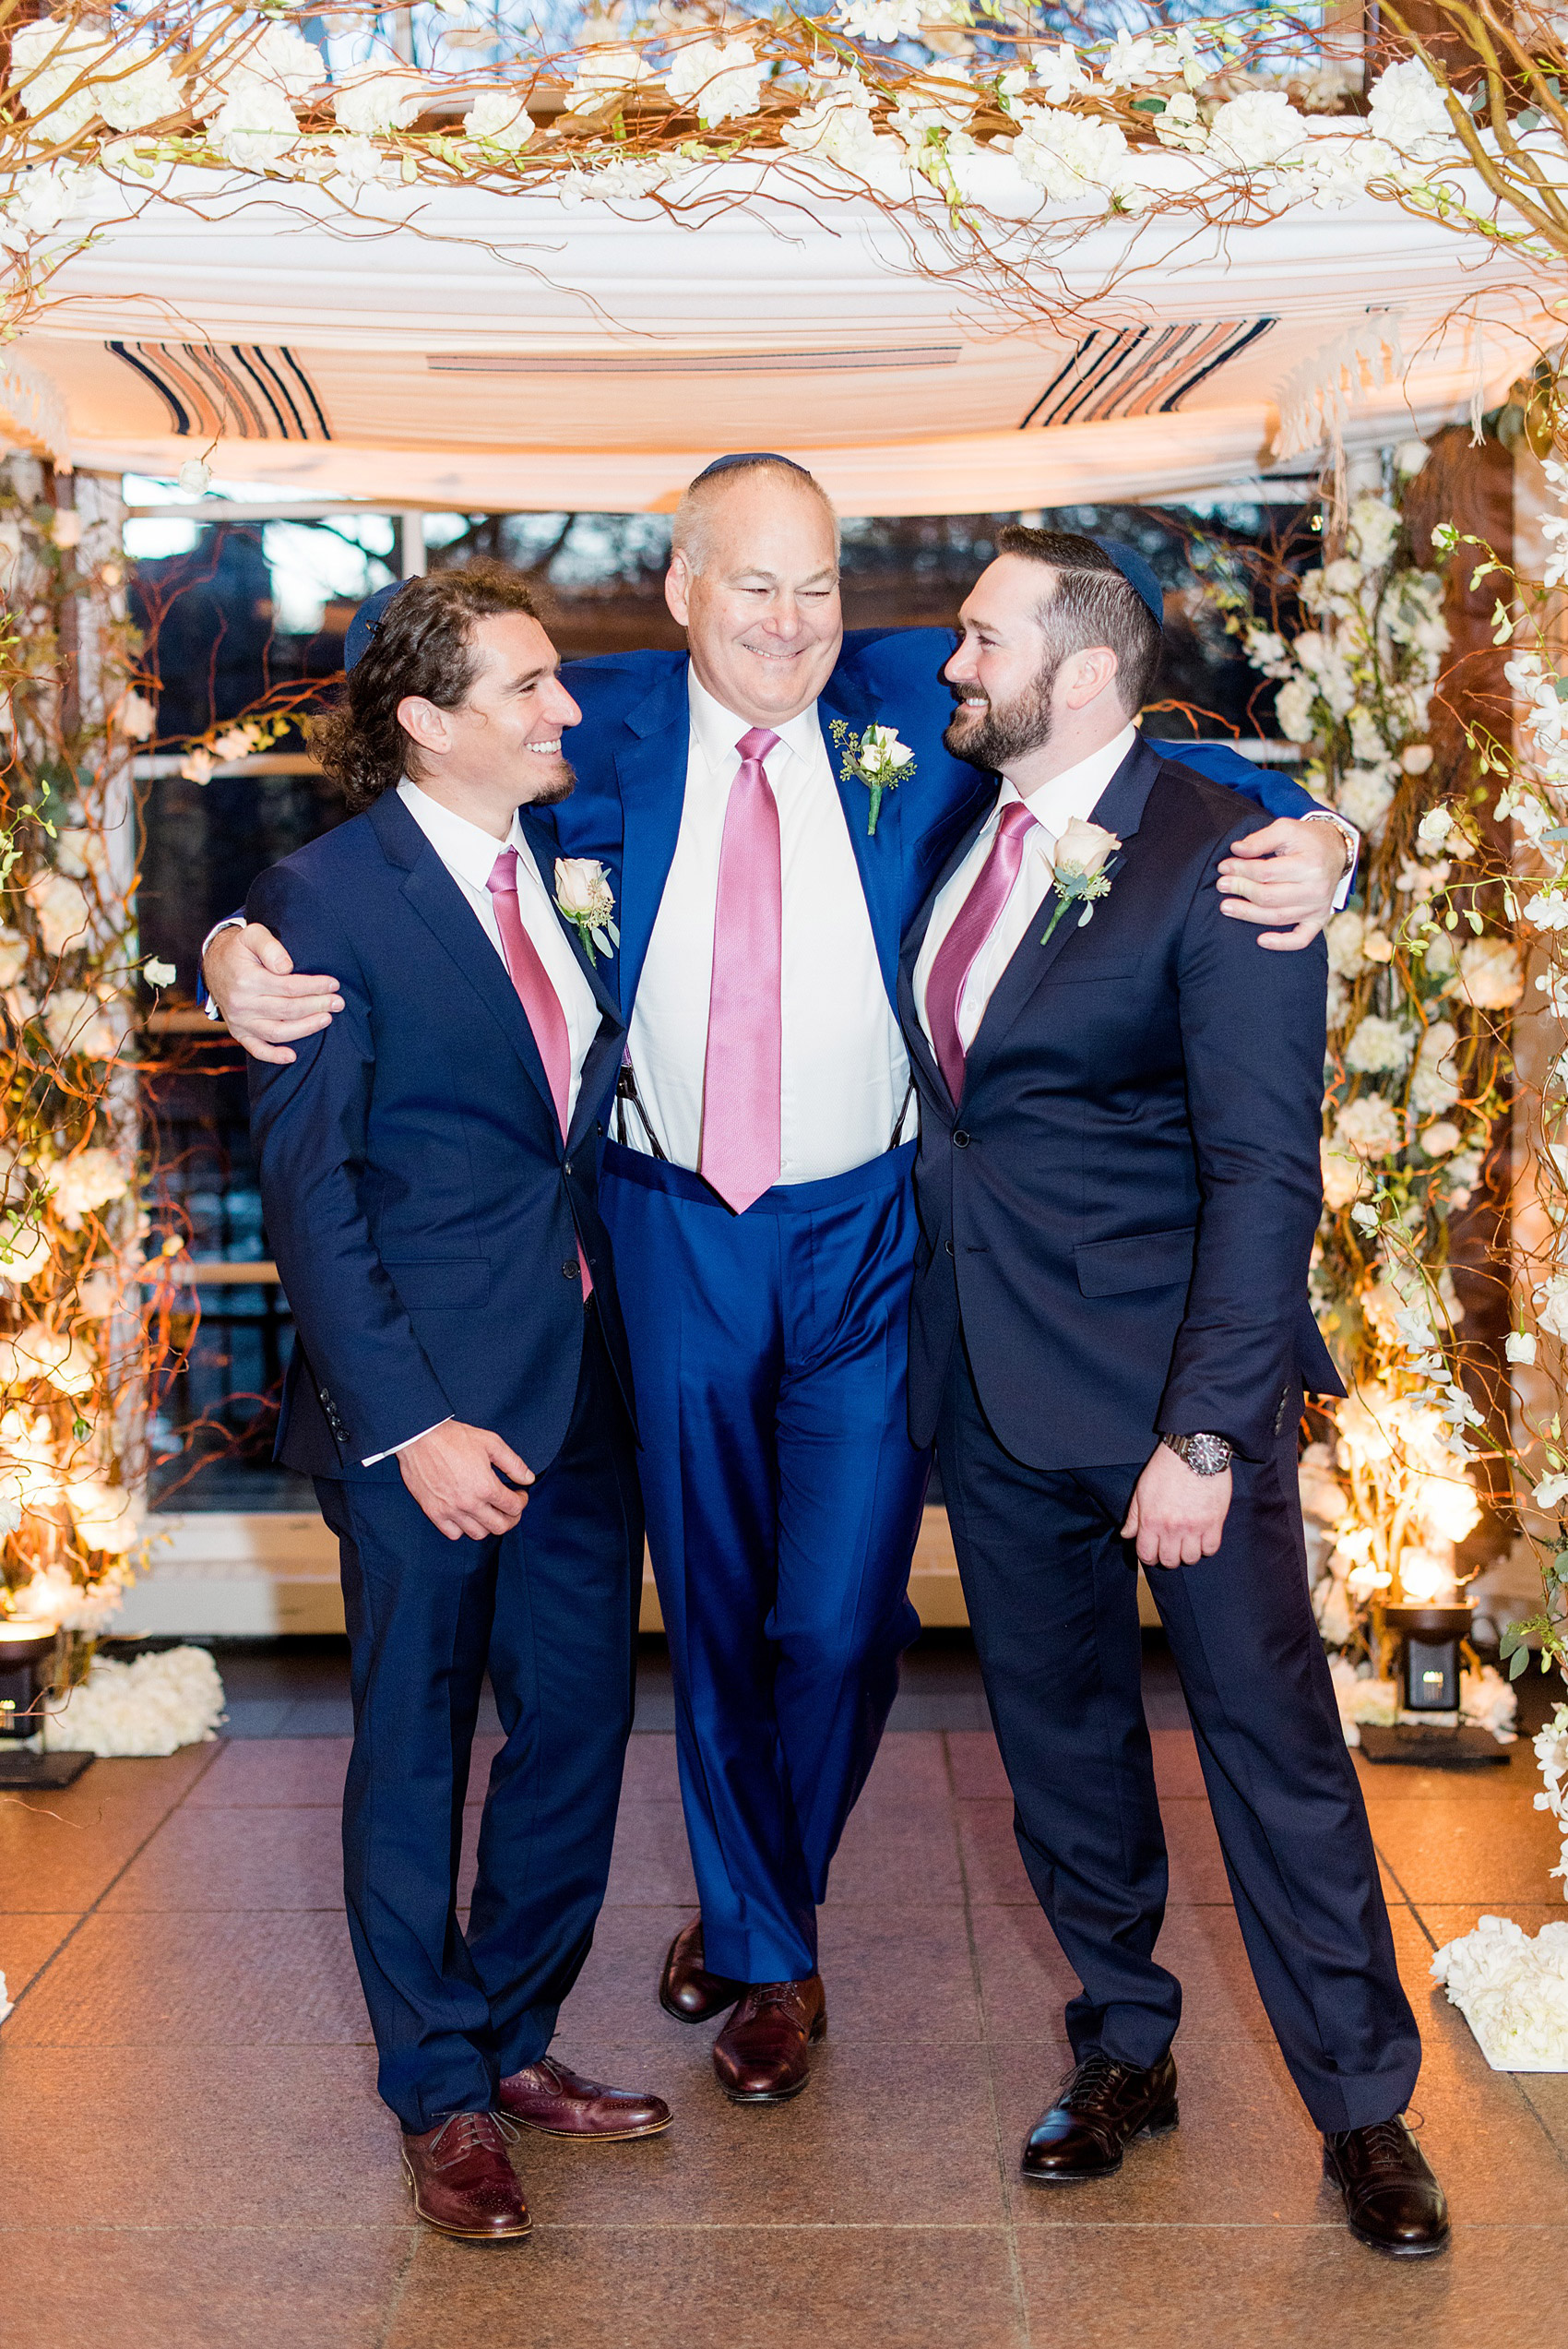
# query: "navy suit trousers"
(551, 1609)
(1052, 1598)
(784, 1496)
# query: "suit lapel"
(650, 766)
(1119, 809)
(541, 837)
(879, 856)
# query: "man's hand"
(451, 1473)
(1176, 1516)
(1286, 874)
(250, 976)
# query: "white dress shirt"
(844, 1075)
(469, 854)
(1075, 793)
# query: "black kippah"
(748, 456)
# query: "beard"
(994, 737)
(560, 787)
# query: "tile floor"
(192, 2155)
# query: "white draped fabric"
(488, 350)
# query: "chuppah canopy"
(465, 347)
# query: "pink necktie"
(742, 1076)
(976, 919)
(541, 1005)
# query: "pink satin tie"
(976, 919)
(541, 1005)
(742, 1075)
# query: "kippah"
(1138, 575)
(748, 456)
(366, 621)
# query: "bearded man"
(766, 846)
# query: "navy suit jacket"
(424, 1211)
(630, 754)
(1121, 1206)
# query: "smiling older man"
(757, 1188)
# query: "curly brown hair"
(424, 645)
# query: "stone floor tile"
(257, 1772)
(974, 1762)
(614, 2001)
(247, 1858)
(1448, 1852)
(902, 1852)
(1404, 1782)
(898, 1974)
(172, 1978)
(27, 1944)
(179, 2287)
(911, 1768)
(1546, 2093)
(733, 2287)
(1291, 2286)
(993, 1869)
(651, 1867)
(1245, 2150)
(62, 1850)
(197, 2136)
(650, 1774)
(882, 2136)
(1177, 1771)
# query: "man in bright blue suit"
(756, 1187)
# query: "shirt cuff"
(1353, 840)
(230, 922)
(393, 1449)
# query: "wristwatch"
(1204, 1455)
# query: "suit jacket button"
(571, 1268)
(960, 1139)
(567, 1166)
(948, 1244)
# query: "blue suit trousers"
(551, 1609)
(783, 1499)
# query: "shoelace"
(1092, 2087)
(1385, 2147)
(465, 2133)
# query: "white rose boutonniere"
(585, 897)
(875, 757)
(1080, 877)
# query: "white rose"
(1520, 1345)
(135, 717)
(1409, 458)
(1415, 758)
(1084, 848)
(1369, 1127)
(582, 888)
(1437, 823)
(1551, 1492)
(159, 974)
(1489, 975)
(62, 911)
(1380, 1046)
(1377, 946)
(500, 119)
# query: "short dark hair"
(424, 645)
(1093, 604)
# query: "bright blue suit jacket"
(630, 754)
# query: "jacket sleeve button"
(572, 1270)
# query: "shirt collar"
(1074, 792)
(464, 848)
(716, 730)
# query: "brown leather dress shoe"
(686, 1990)
(1392, 2199)
(463, 2182)
(760, 2054)
(1098, 2110)
(547, 2096)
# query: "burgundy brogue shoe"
(562, 2103)
(760, 2056)
(463, 2181)
(686, 1990)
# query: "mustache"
(970, 697)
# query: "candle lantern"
(1423, 1650)
(24, 1647)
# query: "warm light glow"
(1425, 1580)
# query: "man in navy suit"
(460, 1387)
(1119, 1189)
(757, 1188)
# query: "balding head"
(753, 581)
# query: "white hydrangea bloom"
(500, 119)
(724, 78)
(1343, 1177)
(1293, 710)
(153, 1705)
(1379, 1047)
(1364, 798)
(880, 19)
(1406, 109)
(1369, 1127)
(1344, 935)
(606, 73)
(92, 1178)
(1435, 1085)
(1072, 156)
(373, 104)
(62, 910)
(1256, 129)
(1375, 529)
(255, 129)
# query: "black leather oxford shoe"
(1392, 2199)
(1099, 2108)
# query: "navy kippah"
(747, 457)
(366, 621)
(1138, 575)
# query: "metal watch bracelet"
(1204, 1455)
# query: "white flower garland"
(153, 1705)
